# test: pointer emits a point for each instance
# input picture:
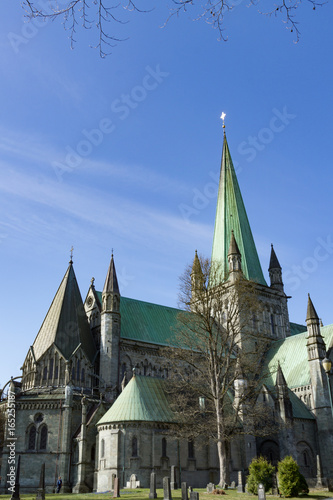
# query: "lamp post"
(327, 365)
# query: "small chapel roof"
(142, 400)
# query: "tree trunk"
(223, 454)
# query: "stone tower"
(110, 334)
(321, 405)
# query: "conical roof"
(280, 380)
(274, 263)
(196, 267)
(231, 215)
(233, 247)
(66, 324)
(111, 282)
(142, 400)
(311, 312)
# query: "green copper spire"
(231, 216)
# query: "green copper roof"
(145, 321)
(65, 324)
(293, 357)
(231, 215)
(142, 400)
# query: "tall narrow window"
(272, 325)
(82, 375)
(56, 372)
(78, 370)
(164, 447)
(32, 438)
(45, 373)
(102, 448)
(43, 438)
(134, 447)
(51, 369)
(190, 449)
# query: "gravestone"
(16, 493)
(210, 487)
(184, 491)
(116, 488)
(194, 495)
(225, 486)
(166, 489)
(240, 486)
(133, 482)
(261, 492)
(41, 488)
(233, 484)
(173, 481)
(190, 489)
(152, 492)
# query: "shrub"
(261, 471)
(291, 481)
(219, 492)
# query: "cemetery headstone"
(116, 488)
(240, 486)
(173, 482)
(261, 492)
(152, 492)
(194, 495)
(184, 491)
(210, 487)
(166, 489)
(41, 488)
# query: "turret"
(110, 333)
(321, 404)
(284, 409)
(234, 259)
(197, 278)
(275, 272)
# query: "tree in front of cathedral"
(216, 355)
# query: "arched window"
(56, 372)
(45, 373)
(164, 447)
(190, 449)
(272, 325)
(43, 438)
(32, 438)
(82, 375)
(73, 373)
(78, 370)
(102, 448)
(134, 447)
(305, 458)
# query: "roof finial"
(71, 261)
(92, 281)
(223, 115)
(111, 252)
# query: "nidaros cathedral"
(82, 412)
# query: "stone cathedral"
(90, 402)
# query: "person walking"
(59, 484)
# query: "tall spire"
(231, 215)
(111, 281)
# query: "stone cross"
(116, 488)
(41, 488)
(173, 482)
(184, 491)
(152, 492)
(261, 492)
(166, 489)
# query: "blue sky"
(124, 153)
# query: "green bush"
(261, 471)
(291, 481)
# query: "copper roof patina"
(231, 215)
(142, 400)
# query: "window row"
(134, 447)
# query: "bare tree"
(103, 15)
(216, 353)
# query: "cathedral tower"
(110, 333)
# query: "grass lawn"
(143, 494)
